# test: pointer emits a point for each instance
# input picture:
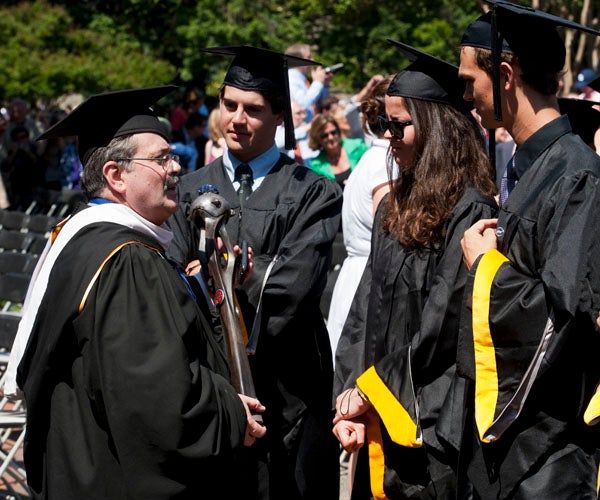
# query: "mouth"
(238, 134)
(171, 183)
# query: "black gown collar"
(539, 142)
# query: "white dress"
(357, 223)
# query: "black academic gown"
(128, 398)
(529, 345)
(293, 215)
(399, 346)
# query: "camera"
(333, 68)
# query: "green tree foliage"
(44, 54)
(52, 47)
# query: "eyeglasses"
(325, 135)
(396, 128)
(163, 161)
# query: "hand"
(240, 278)
(350, 434)
(254, 430)
(478, 239)
(349, 404)
(193, 268)
(318, 74)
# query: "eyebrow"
(247, 105)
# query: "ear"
(114, 176)
(280, 119)
(507, 75)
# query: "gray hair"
(93, 181)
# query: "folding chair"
(17, 262)
(13, 220)
(15, 240)
(66, 202)
(13, 422)
(13, 288)
(9, 322)
(41, 223)
(37, 244)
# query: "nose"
(175, 167)
(387, 134)
(468, 93)
(238, 115)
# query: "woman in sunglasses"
(338, 156)
(396, 358)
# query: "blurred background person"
(366, 186)
(332, 106)
(22, 170)
(337, 156)
(19, 116)
(215, 146)
(191, 102)
(582, 84)
(302, 153)
(352, 110)
(187, 142)
(308, 93)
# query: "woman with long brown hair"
(396, 358)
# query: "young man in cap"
(529, 344)
(127, 392)
(289, 220)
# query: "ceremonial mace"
(209, 213)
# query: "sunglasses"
(396, 128)
(325, 135)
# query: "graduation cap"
(528, 33)
(263, 70)
(583, 116)
(102, 117)
(428, 78)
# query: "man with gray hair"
(127, 391)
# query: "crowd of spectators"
(35, 171)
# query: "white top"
(357, 224)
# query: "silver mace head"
(209, 206)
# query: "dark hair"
(373, 105)
(449, 156)
(17, 131)
(544, 79)
(195, 120)
(328, 102)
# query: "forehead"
(152, 144)
(467, 61)
(395, 104)
(244, 96)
